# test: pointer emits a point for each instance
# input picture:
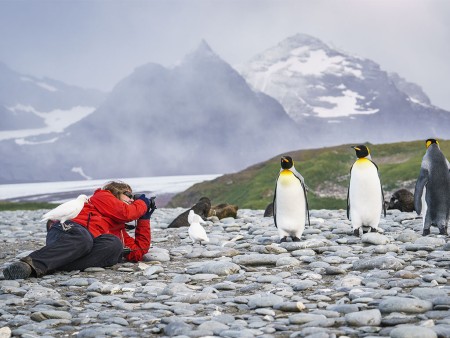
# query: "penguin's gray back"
(437, 194)
(436, 163)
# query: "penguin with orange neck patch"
(365, 199)
(290, 204)
(434, 178)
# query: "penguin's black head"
(361, 151)
(430, 141)
(286, 162)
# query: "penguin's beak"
(355, 147)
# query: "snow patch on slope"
(41, 84)
(344, 105)
(56, 120)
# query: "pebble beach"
(243, 283)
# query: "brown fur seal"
(402, 200)
(201, 208)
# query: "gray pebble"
(364, 318)
(406, 305)
(412, 332)
(243, 283)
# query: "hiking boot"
(18, 270)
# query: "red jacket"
(106, 214)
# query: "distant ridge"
(326, 172)
(200, 117)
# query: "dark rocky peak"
(203, 53)
(414, 91)
(142, 75)
(300, 40)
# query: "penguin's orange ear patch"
(430, 141)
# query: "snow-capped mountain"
(30, 106)
(341, 98)
(200, 117)
(203, 117)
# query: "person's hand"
(146, 215)
(152, 208)
(146, 200)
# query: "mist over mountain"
(34, 112)
(26, 101)
(198, 117)
(204, 117)
(342, 98)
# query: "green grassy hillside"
(326, 172)
(12, 206)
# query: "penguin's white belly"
(424, 206)
(290, 206)
(365, 196)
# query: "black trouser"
(73, 247)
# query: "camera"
(152, 202)
(152, 205)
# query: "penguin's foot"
(356, 232)
(283, 239)
(443, 230)
(426, 232)
(295, 239)
(372, 229)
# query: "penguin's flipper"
(383, 208)
(348, 193)
(421, 182)
(306, 203)
(348, 202)
(300, 177)
(374, 164)
(275, 206)
(305, 188)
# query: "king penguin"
(365, 198)
(434, 178)
(290, 204)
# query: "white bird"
(196, 232)
(67, 210)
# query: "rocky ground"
(241, 284)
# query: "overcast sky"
(96, 43)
